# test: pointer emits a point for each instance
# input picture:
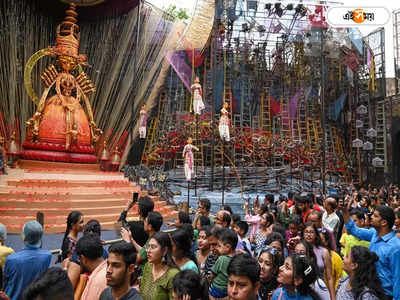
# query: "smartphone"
(125, 224)
(135, 197)
(134, 200)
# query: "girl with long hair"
(319, 286)
(188, 285)
(261, 234)
(270, 261)
(74, 226)
(160, 269)
(324, 261)
(181, 251)
(363, 282)
(337, 262)
(296, 276)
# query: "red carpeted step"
(39, 183)
(64, 196)
(67, 189)
(98, 195)
(76, 204)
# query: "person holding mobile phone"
(145, 205)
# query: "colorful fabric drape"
(198, 58)
(369, 58)
(182, 69)
(350, 60)
(294, 102)
(336, 107)
(275, 106)
(357, 39)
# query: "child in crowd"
(199, 223)
(203, 247)
(244, 278)
(183, 218)
(254, 220)
(241, 228)
(226, 245)
(213, 256)
(293, 234)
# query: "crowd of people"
(299, 247)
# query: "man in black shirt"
(120, 270)
(145, 205)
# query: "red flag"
(275, 106)
(197, 59)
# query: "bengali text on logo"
(345, 16)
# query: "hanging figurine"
(224, 123)
(143, 122)
(187, 154)
(198, 104)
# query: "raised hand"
(126, 234)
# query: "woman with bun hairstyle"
(363, 282)
(296, 275)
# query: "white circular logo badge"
(352, 16)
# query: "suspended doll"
(187, 154)
(143, 122)
(224, 123)
(198, 104)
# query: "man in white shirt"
(330, 220)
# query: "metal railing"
(110, 242)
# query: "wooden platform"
(57, 188)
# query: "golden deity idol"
(63, 127)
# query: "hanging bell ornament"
(362, 110)
(377, 162)
(359, 124)
(368, 146)
(357, 143)
(104, 154)
(371, 133)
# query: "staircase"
(55, 189)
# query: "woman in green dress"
(159, 271)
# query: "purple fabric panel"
(182, 69)
(293, 104)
